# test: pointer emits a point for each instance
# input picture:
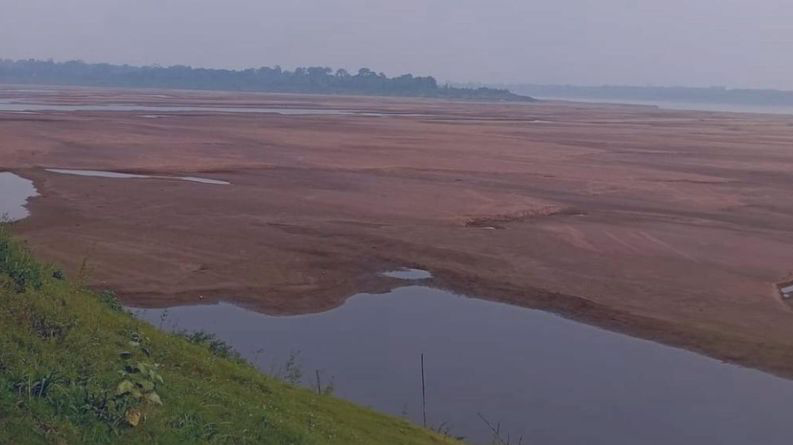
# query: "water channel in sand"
(18, 106)
(117, 175)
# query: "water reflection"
(551, 380)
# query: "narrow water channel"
(117, 175)
(548, 379)
(17, 106)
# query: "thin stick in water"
(423, 393)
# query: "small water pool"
(14, 194)
(551, 380)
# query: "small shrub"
(292, 371)
(216, 346)
(36, 387)
(105, 407)
(18, 264)
(140, 380)
(109, 299)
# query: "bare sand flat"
(669, 225)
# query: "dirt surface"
(670, 225)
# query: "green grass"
(75, 368)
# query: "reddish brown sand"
(670, 225)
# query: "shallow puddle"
(117, 175)
(408, 274)
(551, 380)
(14, 194)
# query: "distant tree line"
(301, 80)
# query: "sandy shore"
(670, 225)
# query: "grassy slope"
(64, 351)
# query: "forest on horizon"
(320, 80)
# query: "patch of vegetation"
(19, 265)
(108, 298)
(76, 368)
(215, 345)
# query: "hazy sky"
(739, 43)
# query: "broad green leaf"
(147, 385)
(124, 387)
(153, 397)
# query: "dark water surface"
(552, 380)
(14, 193)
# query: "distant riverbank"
(682, 105)
(740, 100)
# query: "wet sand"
(670, 225)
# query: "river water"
(548, 379)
